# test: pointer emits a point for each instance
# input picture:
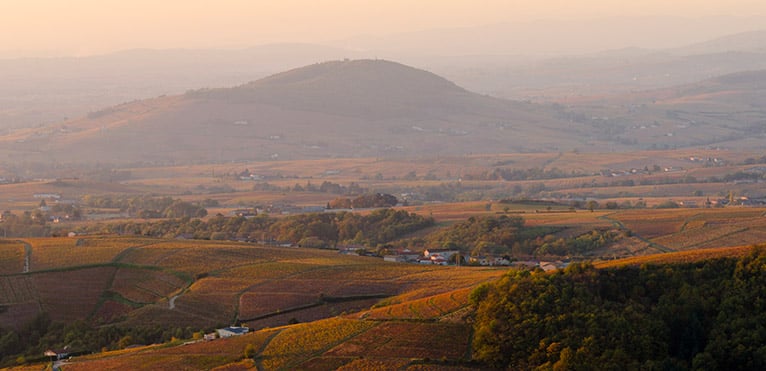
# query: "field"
(11, 257)
(329, 343)
(220, 182)
(204, 283)
(686, 229)
(421, 325)
(680, 256)
(317, 309)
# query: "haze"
(87, 27)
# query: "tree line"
(310, 230)
(148, 207)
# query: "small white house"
(210, 336)
(232, 331)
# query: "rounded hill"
(359, 88)
(361, 108)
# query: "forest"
(322, 230)
(507, 235)
(707, 315)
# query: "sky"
(86, 27)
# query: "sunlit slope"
(203, 283)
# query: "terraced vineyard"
(339, 342)
(684, 229)
(204, 283)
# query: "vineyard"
(309, 308)
(679, 257)
(197, 356)
(305, 341)
(55, 253)
(408, 340)
(429, 308)
(11, 257)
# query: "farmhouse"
(402, 256)
(227, 332)
(58, 353)
(439, 253)
(210, 336)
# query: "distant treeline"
(310, 230)
(149, 207)
(708, 315)
(363, 201)
(507, 235)
(37, 223)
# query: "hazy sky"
(83, 27)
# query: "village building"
(227, 332)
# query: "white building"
(232, 331)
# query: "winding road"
(172, 302)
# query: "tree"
(125, 342)
(249, 351)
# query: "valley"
(449, 212)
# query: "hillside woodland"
(706, 315)
(308, 230)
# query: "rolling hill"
(727, 111)
(358, 108)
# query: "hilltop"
(333, 109)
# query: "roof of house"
(236, 330)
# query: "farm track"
(326, 349)
(269, 281)
(686, 222)
(259, 362)
(116, 262)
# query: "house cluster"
(619, 173)
(490, 260)
(708, 161)
(450, 257)
(442, 257)
(429, 256)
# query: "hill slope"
(333, 109)
(726, 111)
